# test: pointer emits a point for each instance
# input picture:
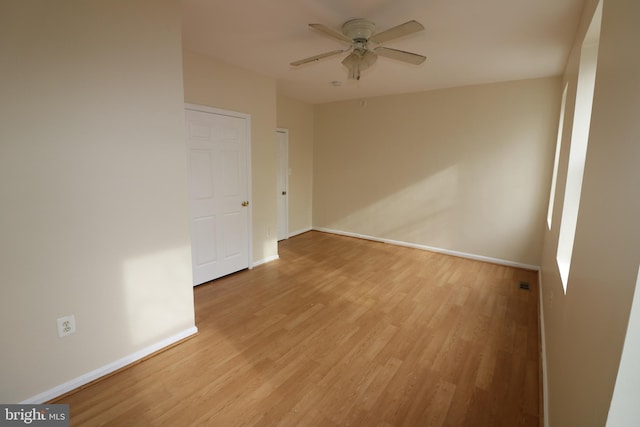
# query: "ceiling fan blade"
(330, 32)
(400, 55)
(317, 57)
(398, 31)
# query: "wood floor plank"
(342, 331)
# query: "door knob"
(245, 203)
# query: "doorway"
(218, 144)
(283, 183)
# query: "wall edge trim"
(105, 370)
(474, 257)
(543, 355)
(302, 231)
(265, 260)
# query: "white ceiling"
(465, 42)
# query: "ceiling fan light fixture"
(359, 60)
(367, 59)
(352, 62)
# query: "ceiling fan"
(360, 34)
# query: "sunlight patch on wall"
(151, 283)
(422, 209)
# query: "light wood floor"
(342, 331)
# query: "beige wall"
(297, 117)
(93, 179)
(585, 328)
(215, 84)
(464, 169)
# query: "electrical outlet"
(66, 325)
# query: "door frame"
(286, 180)
(247, 118)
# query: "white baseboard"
(432, 249)
(265, 260)
(543, 355)
(107, 369)
(304, 230)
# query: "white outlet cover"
(66, 325)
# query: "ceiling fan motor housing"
(358, 29)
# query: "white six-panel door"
(218, 147)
